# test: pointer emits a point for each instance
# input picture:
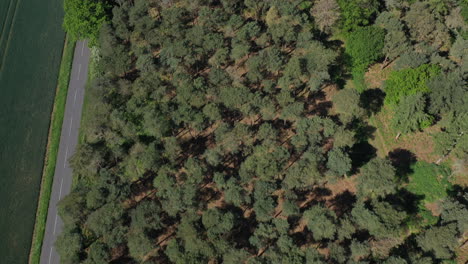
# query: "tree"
(379, 218)
(347, 104)
(326, 14)
(395, 260)
(321, 221)
(356, 13)
(103, 220)
(449, 93)
(365, 45)
(377, 178)
(453, 138)
(396, 42)
(440, 240)
(338, 162)
(410, 114)
(265, 162)
(69, 244)
(408, 82)
(98, 253)
(304, 172)
(83, 19)
(423, 26)
(455, 211)
(217, 222)
(139, 244)
(359, 249)
(459, 50)
(72, 208)
(208, 141)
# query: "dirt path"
(380, 138)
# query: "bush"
(409, 82)
(365, 45)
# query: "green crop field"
(31, 42)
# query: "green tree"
(365, 45)
(321, 221)
(410, 114)
(453, 138)
(69, 244)
(347, 104)
(380, 219)
(359, 250)
(423, 26)
(449, 93)
(356, 13)
(377, 178)
(455, 211)
(440, 240)
(338, 162)
(83, 18)
(139, 244)
(103, 220)
(98, 253)
(217, 223)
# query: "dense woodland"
(235, 131)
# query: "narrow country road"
(68, 141)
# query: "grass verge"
(53, 143)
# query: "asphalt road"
(68, 141)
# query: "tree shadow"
(372, 100)
(360, 154)
(458, 193)
(402, 159)
(405, 200)
(343, 203)
(363, 130)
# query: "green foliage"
(210, 138)
(377, 179)
(365, 45)
(357, 13)
(347, 104)
(449, 93)
(321, 222)
(453, 138)
(455, 211)
(410, 114)
(359, 249)
(409, 82)
(381, 219)
(338, 162)
(83, 19)
(68, 244)
(424, 26)
(439, 241)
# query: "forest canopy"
(237, 131)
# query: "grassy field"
(58, 113)
(31, 43)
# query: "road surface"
(68, 141)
